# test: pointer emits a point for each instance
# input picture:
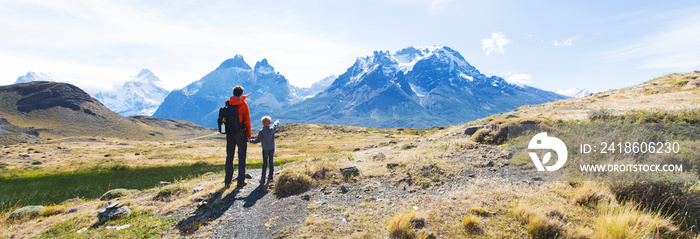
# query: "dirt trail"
(244, 213)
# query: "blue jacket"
(266, 136)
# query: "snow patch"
(574, 92)
(34, 76)
(465, 76)
(419, 91)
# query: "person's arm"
(246, 118)
(274, 126)
(257, 139)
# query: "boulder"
(344, 189)
(197, 189)
(392, 165)
(112, 210)
(378, 156)
(118, 192)
(27, 212)
(75, 209)
(348, 172)
(471, 130)
(418, 222)
(356, 149)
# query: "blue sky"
(552, 45)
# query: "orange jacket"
(243, 112)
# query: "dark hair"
(238, 91)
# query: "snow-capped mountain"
(141, 95)
(33, 76)
(574, 92)
(305, 93)
(413, 87)
(199, 102)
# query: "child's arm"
(257, 139)
(243, 97)
(274, 126)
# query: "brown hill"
(50, 109)
(680, 91)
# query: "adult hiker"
(235, 117)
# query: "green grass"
(143, 225)
(41, 188)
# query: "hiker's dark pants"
(232, 140)
(267, 160)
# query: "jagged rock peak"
(235, 62)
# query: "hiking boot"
(269, 179)
(227, 185)
(240, 185)
(262, 180)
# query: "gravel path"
(244, 213)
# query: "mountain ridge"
(199, 101)
(413, 87)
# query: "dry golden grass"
(679, 91)
(471, 223)
(400, 227)
(589, 194)
(627, 221)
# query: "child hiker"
(266, 137)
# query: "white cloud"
(568, 42)
(104, 42)
(520, 79)
(496, 43)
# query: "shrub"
(537, 225)
(428, 174)
(322, 172)
(25, 213)
(498, 131)
(681, 82)
(679, 199)
(52, 210)
(627, 221)
(600, 114)
(167, 192)
(289, 183)
(409, 146)
(400, 227)
(471, 223)
(589, 194)
(119, 167)
(118, 192)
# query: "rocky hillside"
(60, 109)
